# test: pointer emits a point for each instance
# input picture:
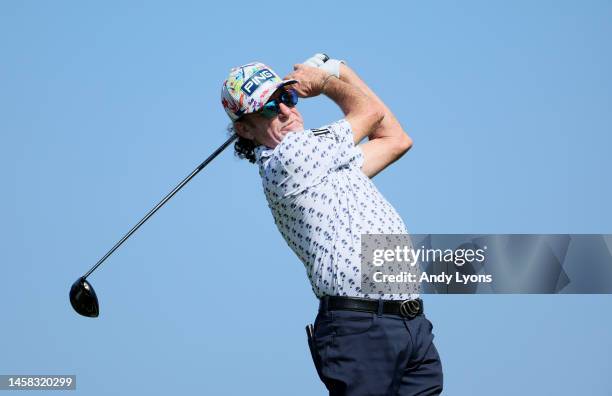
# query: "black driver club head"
(83, 298)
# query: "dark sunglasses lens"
(270, 110)
(290, 98)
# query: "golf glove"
(323, 62)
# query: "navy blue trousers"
(360, 353)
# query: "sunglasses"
(271, 109)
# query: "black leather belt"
(406, 308)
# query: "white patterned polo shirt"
(322, 203)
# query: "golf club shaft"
(162, 202)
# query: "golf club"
(82, 295)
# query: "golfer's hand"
(310, 80)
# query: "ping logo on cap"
(256, 80)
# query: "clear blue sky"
(104, 107)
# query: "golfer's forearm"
(390, 126)
(388, 141)
(359, 109)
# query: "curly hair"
(243, 148)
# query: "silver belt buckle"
(410, 308)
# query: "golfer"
(317, 184)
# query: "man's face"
(270, 131)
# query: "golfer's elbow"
(406, 143)
(401, 144)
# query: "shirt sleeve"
(307, 157)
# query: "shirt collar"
(262, 153)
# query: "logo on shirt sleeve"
(320, 131)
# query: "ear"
(243, 130)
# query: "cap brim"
(279, 85)
(286, 82)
